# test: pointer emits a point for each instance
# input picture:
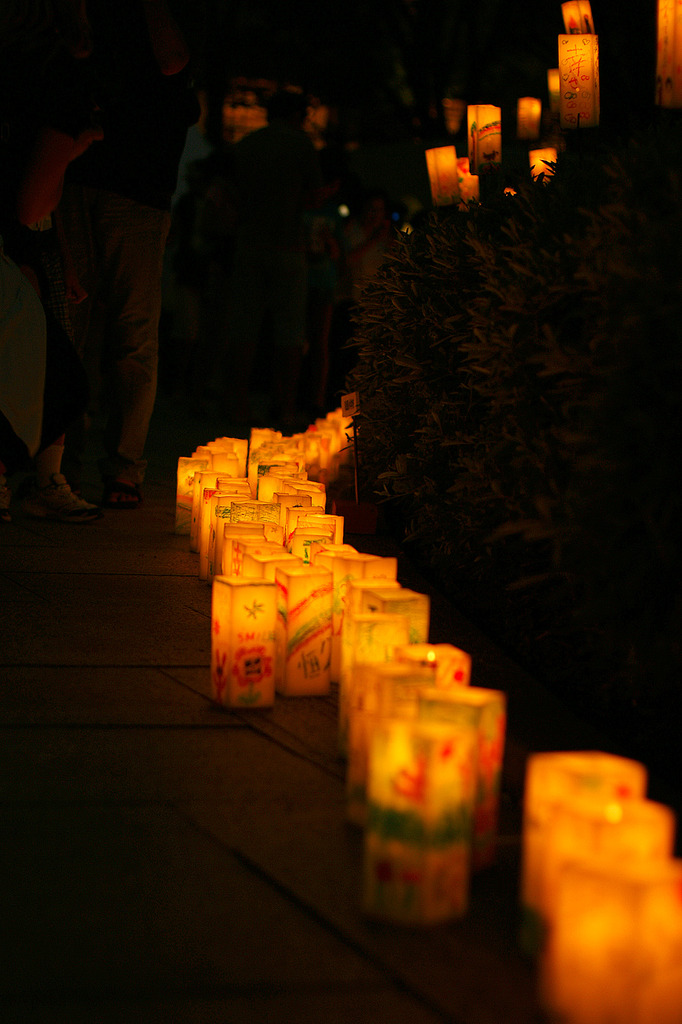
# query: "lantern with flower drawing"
(243, 642)
(552, 780)
(303, 630)
(417, 839)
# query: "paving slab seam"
(396, 979)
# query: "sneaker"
(5, 498)
(57, 501)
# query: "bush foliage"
(519, 372)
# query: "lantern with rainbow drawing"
(417, 840)
(243, 642)
(303, 630)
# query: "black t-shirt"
(144, 113)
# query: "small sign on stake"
(359, 517)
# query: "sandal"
(120, 494)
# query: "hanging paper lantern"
(528, 113)
(579, 76)
(484, 123)
(441, 165)
(669, 54)
(577, 15)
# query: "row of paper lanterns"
(296, 610)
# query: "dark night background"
(387, 65)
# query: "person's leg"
(130, 240)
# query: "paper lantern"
(302, 538)
(346, 564)
(669, 54)
(553, 89)
(389, 689)
(469, 190)
(484, 711)
(553, 779)
(400, 601)
(484, 123)
(243, 615)
(304, 630)
(416, 855)
(207, 507)
(441, 165)
(615, 953)
(201, 480)
(221, 514)
(187, 468)
(577, 15)
(264, 564)
(449, 665)
(579, 76)
(366, 639)
(287, 501)
(324, 521)
(542, 161)
(226, 463)
(252, 545)
(528, 113)
(230, 565)
(630, 831)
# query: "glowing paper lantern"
(669, 54)
(367, 639)
(484, 123)
(230, 564)
(187, 468)
(287, 501)
(577, 15)
(485, 712)
(264, 564)
(469, 190)
(542, 161)
(304, 536)
(201, 480)
(400, 601)
(615, 952)
(441, 165)
(579, 75)
(553, 779)
(389, 689)
(323, 521)
(626, 831)
(418, 833)
(243, 642)
(449, 665)
(304, 630)
(528, 112)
